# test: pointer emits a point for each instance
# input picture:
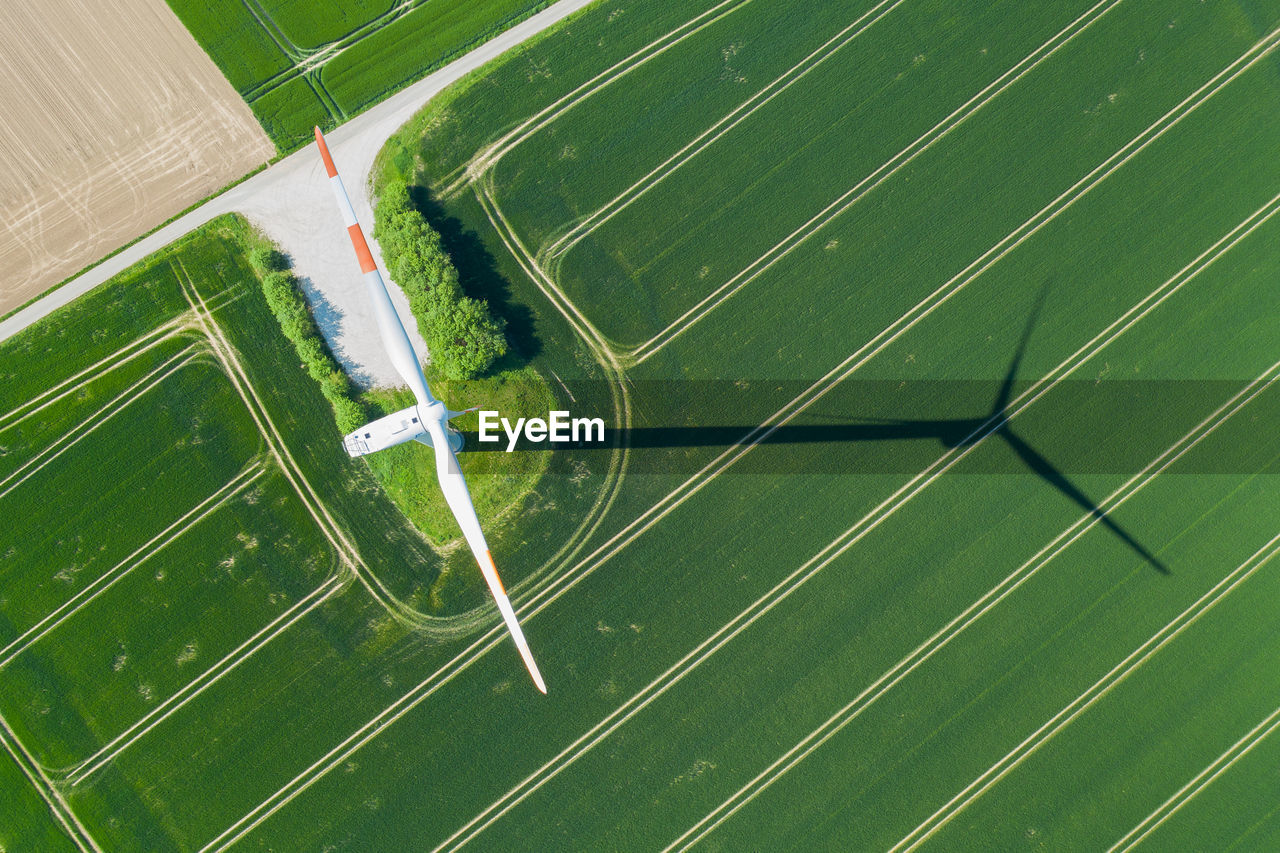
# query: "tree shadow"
(480, 278)
(329, 320)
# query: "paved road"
(291, 201)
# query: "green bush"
(394, 200)
(295, 320)
(268, 259)
(289, 306)
(317, 370)
(335, 386)
(278, 289)
(349, 414)
(310, 350)
(463, 338)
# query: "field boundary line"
(53, 798)
(1198, 783)
(109, 362)
(229, 662)
(347, 552)
(90, 424)
(1103, 686)
(223, 298)
(489, 156)
(275, 32)
(975, 611)
(592, 336)
(819, 561)
(798, 404)
(801, 69)
(144, 552)
(619, 392)
(304, 61)
(882, 173)
(620, 396)
(1047, 214)
(85, 383)
(309, 61)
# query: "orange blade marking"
(324, 154)
(362, 249)
(489, 555)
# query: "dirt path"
(102, 140)
(292, 202)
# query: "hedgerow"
(289, 306)
(462, 337)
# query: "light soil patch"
(103, 140)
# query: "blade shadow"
(1011, 375)
(1047, 472)
(951, 432)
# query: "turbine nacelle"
(397, 428)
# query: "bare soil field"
(115, 120)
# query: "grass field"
(918, 637)
(298, 66)
(195, 575)
(943, 342)
(498, 486)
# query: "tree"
(464, 339)
(287, 303)
(268, 259)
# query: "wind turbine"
(426, 422)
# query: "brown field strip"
(115, 120)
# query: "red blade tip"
(324, 154)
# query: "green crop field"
(940, 340)
(298, 65)
(840, 602)
(195, 575)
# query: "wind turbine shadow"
(951, 432)
(962, 432)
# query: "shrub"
(335, 386)
(394, 199)
(310, 350)
(268, 259)
(463, 338)
(349, 415)
(278, 289)
(289, 306)
(295, 320)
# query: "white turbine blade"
(459, 498)
(394, 337)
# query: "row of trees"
(289, 306)
(463, 338)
